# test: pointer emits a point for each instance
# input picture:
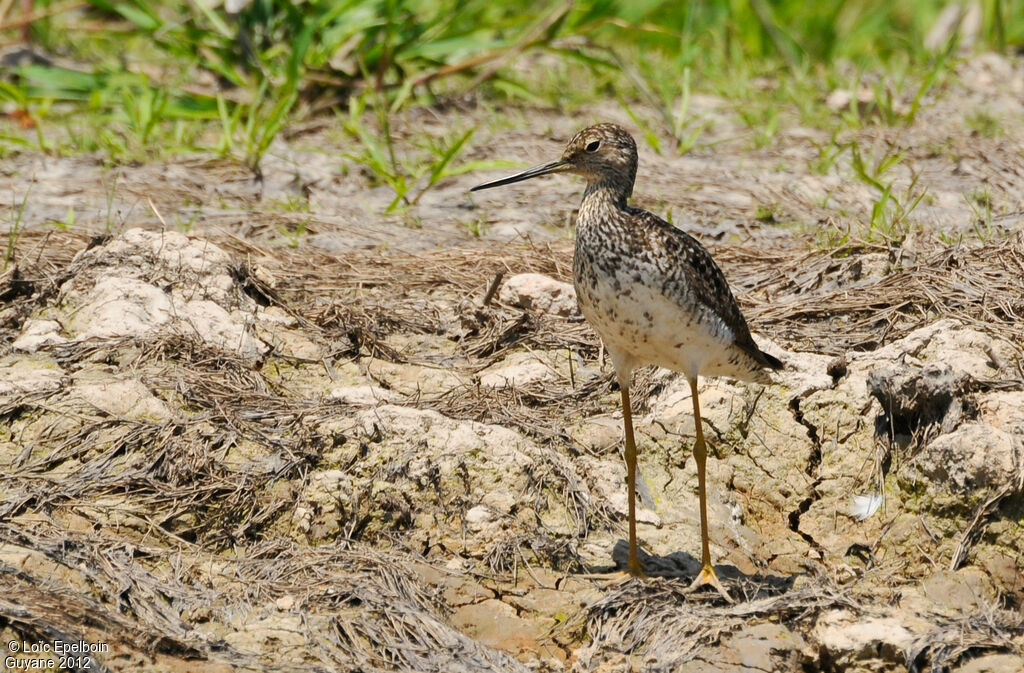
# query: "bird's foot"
(707, 577)
(608, 580)
(635, 570)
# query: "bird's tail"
(772, 362)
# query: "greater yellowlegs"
(654, 295)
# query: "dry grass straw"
(178, 467)
(185, 494)
(663, 623)
(820, 301)
(375, 611)
(648, 619)
(807, 300)
(183, 529)
(168, 502)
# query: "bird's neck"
(601, 193)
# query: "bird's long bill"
(543, 169)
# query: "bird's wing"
(690, 263)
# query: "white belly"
(641, 325)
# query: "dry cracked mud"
(224, 452)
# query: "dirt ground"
(260, 425)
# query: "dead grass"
(806, 300)
(181, 504)
(646, 619)
(818, 301)
(379, 614)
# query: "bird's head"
(601, 154)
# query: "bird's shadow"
(683, 566)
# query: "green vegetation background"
(133, 79)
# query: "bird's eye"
(592, 146)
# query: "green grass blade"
(453, 150)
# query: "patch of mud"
(267, 426)
(726, 186)
(391, 475)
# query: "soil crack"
(813, 463)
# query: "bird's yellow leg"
(707, 575)
(634, 568)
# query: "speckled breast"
(623, 295)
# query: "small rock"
(519, 375)
(993, 663)
(478, 518)
(916, 396)
(121, 307)
(215, 326)
(535, 291)
(277, 316)
(1000, 563)
(519, 369)
(844, 638)
(840, 99)
(619, 501)
(127, 399)
(363, 396)
(456, 564)
(261, 274)
(302, 519)
(285, 603)
(804, 373)
(290, 343)
(414, 380)
(21, 375)
(500, 501)
(38, 333)
(967, 351)
(283, 633)
(988, 71)
(495, 624)
(1004, 410)
(964, 591)
(973, 456)
(597, 433)
(759, 647)
(35, 562)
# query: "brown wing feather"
(691, 264)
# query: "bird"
(654, 296)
